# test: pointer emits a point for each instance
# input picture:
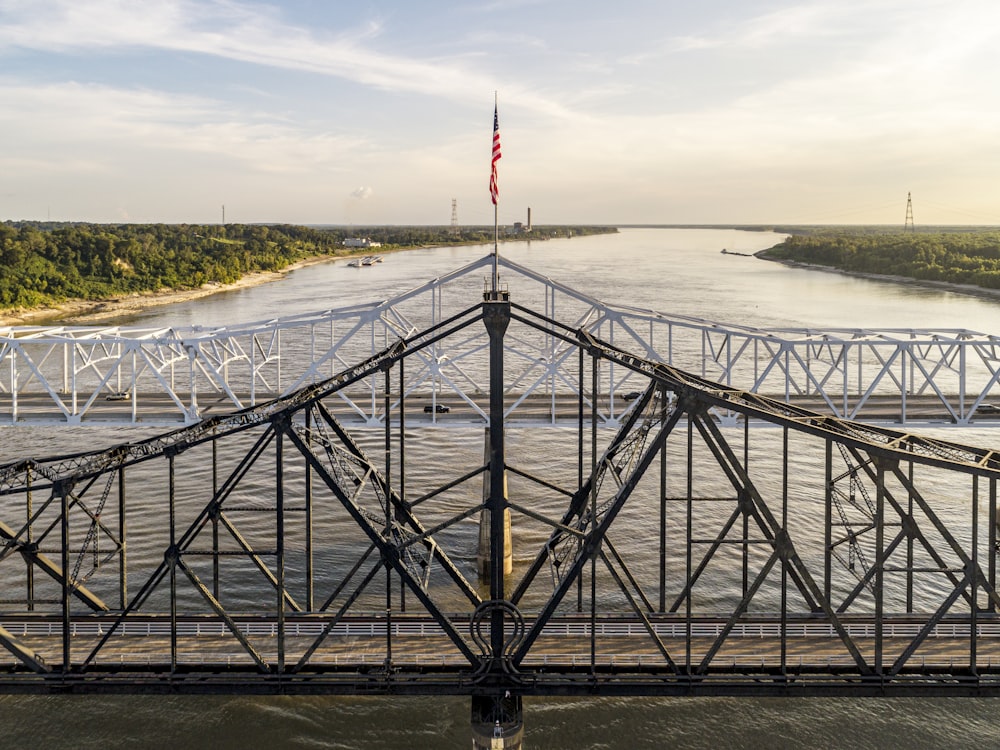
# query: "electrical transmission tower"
(454, 216)
(908, 224)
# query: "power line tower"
(908, 224)
(454, 216)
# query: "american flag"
(494, 190)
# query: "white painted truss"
(98, 374)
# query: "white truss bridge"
(113, 374)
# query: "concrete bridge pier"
(485, 525)
(497, 722)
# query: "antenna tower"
(454, 216)
(908, 223)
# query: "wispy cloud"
(785, 26)
(246, 33)
(753, 92)
(152, 122)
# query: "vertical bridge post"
(483, 557)
(496, 317)
(497, 720)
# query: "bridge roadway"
(205, 646)
(535, 408)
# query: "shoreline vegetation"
(80, 274)
(963, 260)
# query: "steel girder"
(266, 550)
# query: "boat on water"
(368, 260)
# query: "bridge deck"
(534, 408)
(419, 645)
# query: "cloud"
(747, 96)
(253, 34)
(119, 123)
(784, 26)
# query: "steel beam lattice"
(667, 548)
(78, 375)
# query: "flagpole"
(496, 252)
(496, 200)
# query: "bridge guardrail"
(376, 628)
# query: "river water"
(673, 270)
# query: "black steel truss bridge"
(272, 550)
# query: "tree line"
(961, 257)
(45, 263)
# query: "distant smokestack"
(529, 219)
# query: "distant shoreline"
(85, 312)
(947, 286)
(88, 312)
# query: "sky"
(381, 112)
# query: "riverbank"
(79, 311)
(948, 286)
(86, 312)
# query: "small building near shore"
(361, 242)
